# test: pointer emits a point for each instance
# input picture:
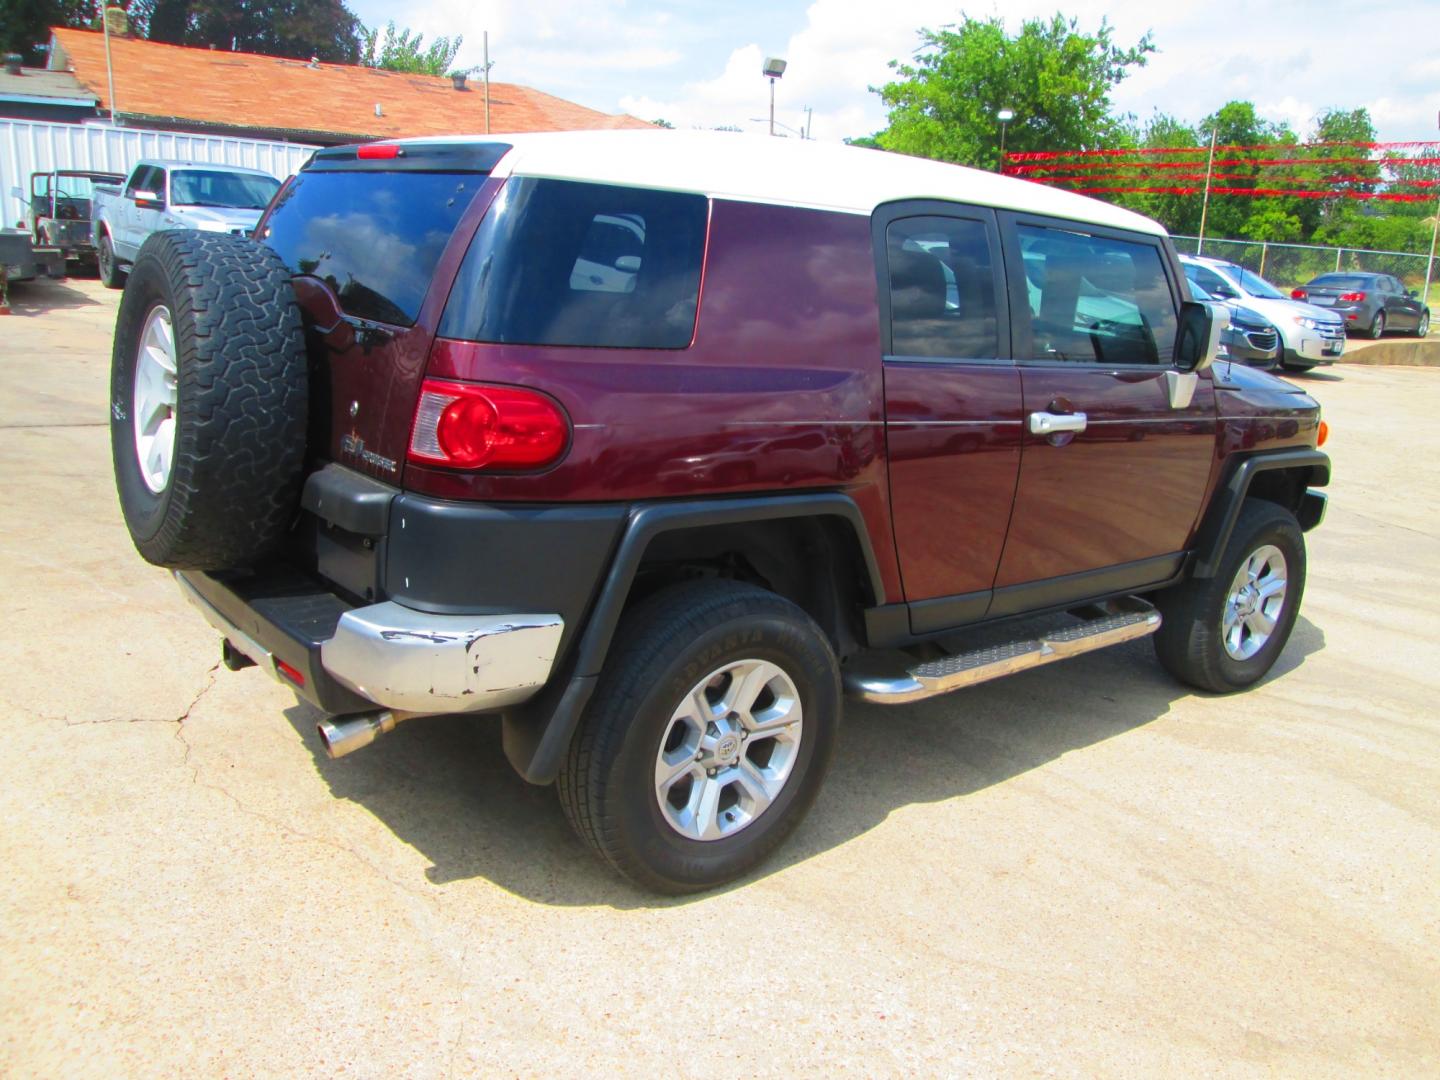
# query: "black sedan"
(1369, 303)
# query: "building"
(205, 91)
(39, 94)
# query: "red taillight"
(1298, 294)
(469, 426)
(1352, 298)
(378, 152)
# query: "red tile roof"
(273, 94)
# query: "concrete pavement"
(1082, 870)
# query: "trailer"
(21, 260)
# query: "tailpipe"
(343, 735)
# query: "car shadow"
(443, 785)
(32, 298)
(1312, 375)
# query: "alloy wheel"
(155, 398)
(1254, 603)
(728, 750)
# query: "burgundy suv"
(655, 444)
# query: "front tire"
(708, 736)
(1225, 633)
(1377, 326)
(1422, 328)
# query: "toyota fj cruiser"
(656, 444)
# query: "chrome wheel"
(154, 400)
(1254, 603)
(1424, 328)
(1377, 328)
(728, 750)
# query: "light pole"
(1004, 116)
(774, 68)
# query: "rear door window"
(557, 262)
(942, 289)
(373, 237)
(1096, 299)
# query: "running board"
(936, 677)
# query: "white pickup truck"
(160, 195)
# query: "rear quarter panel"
(780, 390)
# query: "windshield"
(1255, 285)
(231, 191)
(77, 185)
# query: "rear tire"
(208, 401)
(1200, 641)
(691, 651)
(111, 276)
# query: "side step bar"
(935, 677)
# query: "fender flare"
(537, 734)
(1219, 521)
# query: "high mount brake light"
(1352, 298)
(377, 152)
(473, 426)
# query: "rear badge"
(354, 444)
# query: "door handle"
(1045, 423)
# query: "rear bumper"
(346, 659)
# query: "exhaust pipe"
(343, 735)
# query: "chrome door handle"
(1044, 423)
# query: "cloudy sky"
(697, 62)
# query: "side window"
(942, 289)
(1210, 281)
(137, 181)
(556, 262)
(1096, 300)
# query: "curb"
(1413, 353)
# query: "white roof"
(790, 172)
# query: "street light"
(1004, 116)
(774, 68)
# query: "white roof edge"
(758, 168)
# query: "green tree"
(1236, 123)
(403, 51)
(295, 28)
(25, 24)
(1056, 79)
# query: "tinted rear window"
(563, 263)
(373, 237)
(1342, 281)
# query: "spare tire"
(208, 401)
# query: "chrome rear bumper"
(400, 658)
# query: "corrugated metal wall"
(28, 146)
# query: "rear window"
(1340, 281)
(373, 237)
(557, 262)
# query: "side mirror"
(149, 200)
(1413, 294)
(1199, 338)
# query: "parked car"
(60, 207)
(1309, 335)
(1369, 303)
(407, 460)
(159, 195)
(1250, 338)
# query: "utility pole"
(1430, 262)
(809, 122)
(1205, 205)
(485, 39)
(109, 65)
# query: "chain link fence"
(1288, 265)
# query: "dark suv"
(656, 444)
